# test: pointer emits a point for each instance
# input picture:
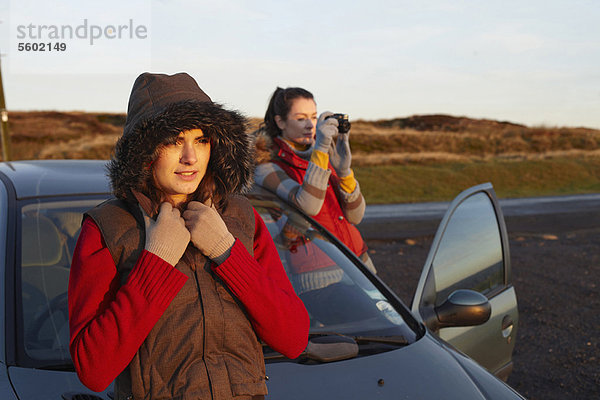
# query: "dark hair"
(280, 104)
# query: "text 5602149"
(47, 46)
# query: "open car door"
(465, 294)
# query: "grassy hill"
(418, 158)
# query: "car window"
(48, 232)
(338, 296)
(469, 255)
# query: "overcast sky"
(532, 62)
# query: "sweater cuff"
(350, 197)
(156, 279)
(239, 270)
(316, 176)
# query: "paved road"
(387, 221)
(510, 207)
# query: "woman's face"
(180, 166)
(300, 123)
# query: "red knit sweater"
(109, 322)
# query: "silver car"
(364, 342)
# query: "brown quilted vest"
(203, 346)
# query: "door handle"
(507, 327)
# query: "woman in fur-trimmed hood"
(173, 282)
(160, 107)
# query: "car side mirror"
(463, 308)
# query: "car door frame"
(503, 299)
(7, 290)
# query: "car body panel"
(54, 384)
(55, 178)
(470, 251)
(494, 352)
(405, 373)
(3, 262)
(6, 390)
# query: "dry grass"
(462, 139)
(443, 181)
(51, 134)
(420, 158)
(413, 140)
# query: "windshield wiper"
(398, 340)
(333, 346)
(390, 339)
(58, 367)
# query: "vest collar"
(145, 203)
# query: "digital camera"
(343, 122)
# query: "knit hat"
(162, 106)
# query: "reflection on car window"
(337, 295)
(49, 232)
(469, 255)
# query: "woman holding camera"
(301, 160)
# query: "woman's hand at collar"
(209, 234)
(167, 237)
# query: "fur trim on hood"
(162, 106)
(264, 147)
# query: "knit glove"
(209, 233)
(167, 237)
(340, 155)
(326, 131)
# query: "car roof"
(38, 178)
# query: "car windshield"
(339, 297)
(48, 232)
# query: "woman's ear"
(280, 122)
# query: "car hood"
(35, 384)
(426, 369)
